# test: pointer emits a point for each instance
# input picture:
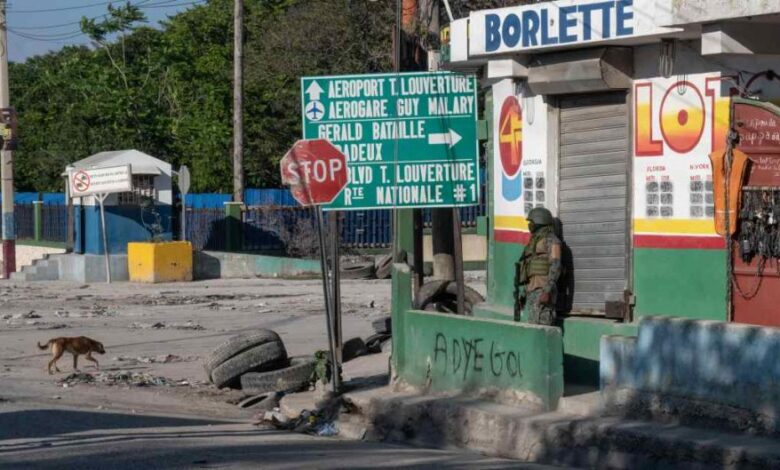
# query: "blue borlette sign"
(558, 24)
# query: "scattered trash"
(186, 326)
(276, 417)
(146, 326)
(76, 378)
(161, 359)
(327, 429)
(96, 311)
(160, 325)
(30, 314)
(135, 379)
(51, 326)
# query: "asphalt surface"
(43, 437)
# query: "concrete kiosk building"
(126, 220)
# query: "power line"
(48, 10)
(140, 4)
(26, 31)
(50, 26)
(62, 39)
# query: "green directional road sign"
(410, 139)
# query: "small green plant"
(322, 369)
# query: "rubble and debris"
(327, 429)
(122, 377)
(24, 316)
(189, 325)
(276, 417)
(96, 310)
(161, 359)
(51, 326)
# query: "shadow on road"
(50, 423)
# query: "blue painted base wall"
(123, 225)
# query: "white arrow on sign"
(314, 91)
(450, 138)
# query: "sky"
(39, 26)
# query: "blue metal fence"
(270, 228)
(269, 197)
(269, 211)
(54, 222)
(206, 229)
(25, 221)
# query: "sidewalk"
(579, 434)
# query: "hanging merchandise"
(737, 176)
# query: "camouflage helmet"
(540, 216)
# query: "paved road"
(39, 437)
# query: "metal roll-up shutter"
(593, 197)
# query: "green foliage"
(169, 93)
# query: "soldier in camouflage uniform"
(537, 272)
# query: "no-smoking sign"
(81, 181)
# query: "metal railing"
(206, 229)
(54, 222)
(24, 215)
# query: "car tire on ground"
(357, 270)
(353, 348)
(384, 266)
(442, 296)
(235, 345)
(293, 377)
(383, 325)
(374, 342)
(265, 357)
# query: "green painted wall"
(501, 277)
(681, 283)
(581, 339)
(466, 354)
(401, 302)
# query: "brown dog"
(76, 346)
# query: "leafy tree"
(168, 91)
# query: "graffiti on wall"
(466, 356)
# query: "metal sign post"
(184, 187)
(329, 317)
(335, 270)
(101, 198)
(316, 172)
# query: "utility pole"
(442, 221)
(238, 101)
(6, 158)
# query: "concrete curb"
(549, 438)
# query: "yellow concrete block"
(159, 262)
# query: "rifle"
(519, 294)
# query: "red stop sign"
(315, 170)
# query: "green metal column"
(233, 226)
(404, 232)
(37, 220)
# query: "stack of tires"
(257, 362)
